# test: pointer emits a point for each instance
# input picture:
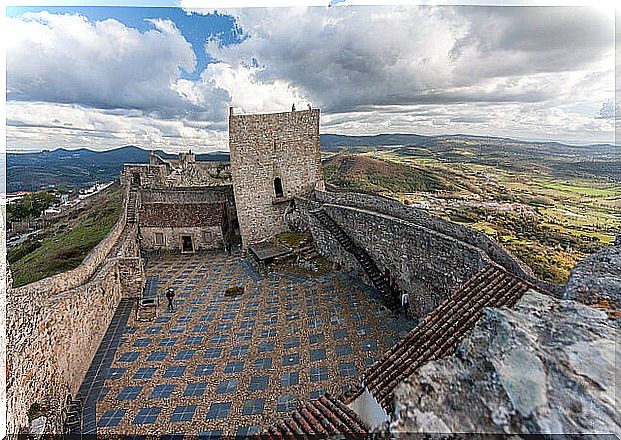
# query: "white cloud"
(41, 125)
(534, 73)
(102, 64)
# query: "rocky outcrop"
(597, 278)
(545, 366)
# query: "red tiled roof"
(439, 333)
(322, 417)
(174, 215)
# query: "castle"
(65, 330)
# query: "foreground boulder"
(596, 280)
(545, 366)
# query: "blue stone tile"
(368, 345)
(183, 413)
(292, 342)
(259, 383)
(289, 378)
(175, 371)
(211, 435)
(185, 355)
(263, 363)
(157, 356)
(144, 373)
(291, 359)
(286, 403)
(319, 374)
(347, 369)
(142, 342)
(116, 373)
(129, 393)
(234, 367)
(194, 340)
(224, 326)
(219, 339)
(227, 386)
(316, 338)
(340, 333)
(195, 389)
(146, 416)
(318, 354)
(247, 432)
(344, 350)
(219, 410)
(205, 370)
(167, 342)
(162, 391)
(265, 347)
(240, 350)
(111, 418)
(253, 407)
(129, 356)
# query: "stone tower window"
(278, 187)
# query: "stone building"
(274, 158)
(186, 220)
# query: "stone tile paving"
(221, 365)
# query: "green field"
(548, 221)
(62, 245)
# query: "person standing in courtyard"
(405, 303)
(170, 296)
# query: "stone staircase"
(132, 214)
(361, 256)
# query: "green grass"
(62, 246)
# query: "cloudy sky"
(103, 77)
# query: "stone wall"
(266, 147)
(204, 238)
(210, 194)
(151, 176)
(419, 218)
(428, 264)
(52, 342)
(55, 325)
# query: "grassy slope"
(62, 245)
(377, 175)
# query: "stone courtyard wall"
(417, 218)
(265, 147)
(54, 326)
(52, 342)
(428, 264)
(210, 194)
(204, 238)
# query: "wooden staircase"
(361, 256)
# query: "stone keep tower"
(274, 157)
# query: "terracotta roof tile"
(439, 333)
(322, 417)
(162, 215)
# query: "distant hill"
(375, 175)
(82, 167)
(76, 168)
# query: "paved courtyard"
(226, 365)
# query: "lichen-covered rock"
(597, 278)
(545, 366)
